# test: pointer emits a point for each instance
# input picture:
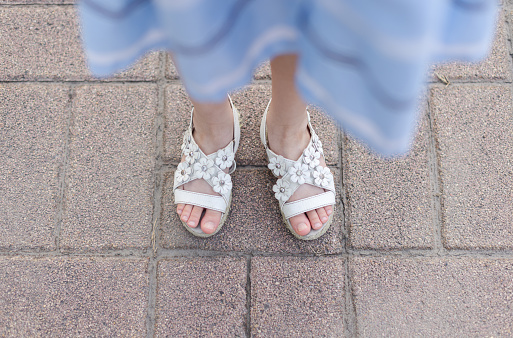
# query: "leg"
(288, 135)
(213, 129)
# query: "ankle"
(210, 142)
(288, 139)
(213, 126)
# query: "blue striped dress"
(364, 62)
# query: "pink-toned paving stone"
(473, 127)
(390, 201)
(43, 43)
(432, 297)
(73, 297)
(109, 186)
(297, 296)
(263, 72)
(199, 297)
(33, 123)
(254, 224)
(171, 71)
(31, 2)
(496, 66)
(176, 121)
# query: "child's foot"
(210, 137)
(289, 142)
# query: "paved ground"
(90, 245)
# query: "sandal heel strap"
(291, 209)
(263, 124)
(263, 131)
(236, 126)
(202, 200)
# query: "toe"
(186, 212)
(179, 208)
(300, 224)
(329, 209)
(323, 216)
(314, 219)
(195, 216)
(210, 221)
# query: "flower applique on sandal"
(198, 165)
(292, 174)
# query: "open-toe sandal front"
(198, 165)
(292, 174)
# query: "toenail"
(301, 227)
(180, 212)
(317, 225)
(191, 223)
(184, 217)
(324, 219)
(329, 211)
(209, 226)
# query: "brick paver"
(31, 2)
(176, 121)
(254, 225)
(43, 43)
(263, 72)
(109, 187)
(171, 71)
(390, 202)
(201, 297)
(473, 126)
(90, 243)
(297, 297)
(33, 123)
(433, 297)
(77, 297)
(497, 66)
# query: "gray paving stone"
(254, 224)
(473, 126)
(33, 123)
(390, 203)
(109, 192)
(497, 66)
(43, 43)
(297, 297)
(432, 297)
(73, 297)
(201, 296)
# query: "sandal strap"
(199, 199)
(305, 170)
(291, 209)
(236, 129)
(209, 168)
(236, 126)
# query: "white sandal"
(306, 170)
(197, 165)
